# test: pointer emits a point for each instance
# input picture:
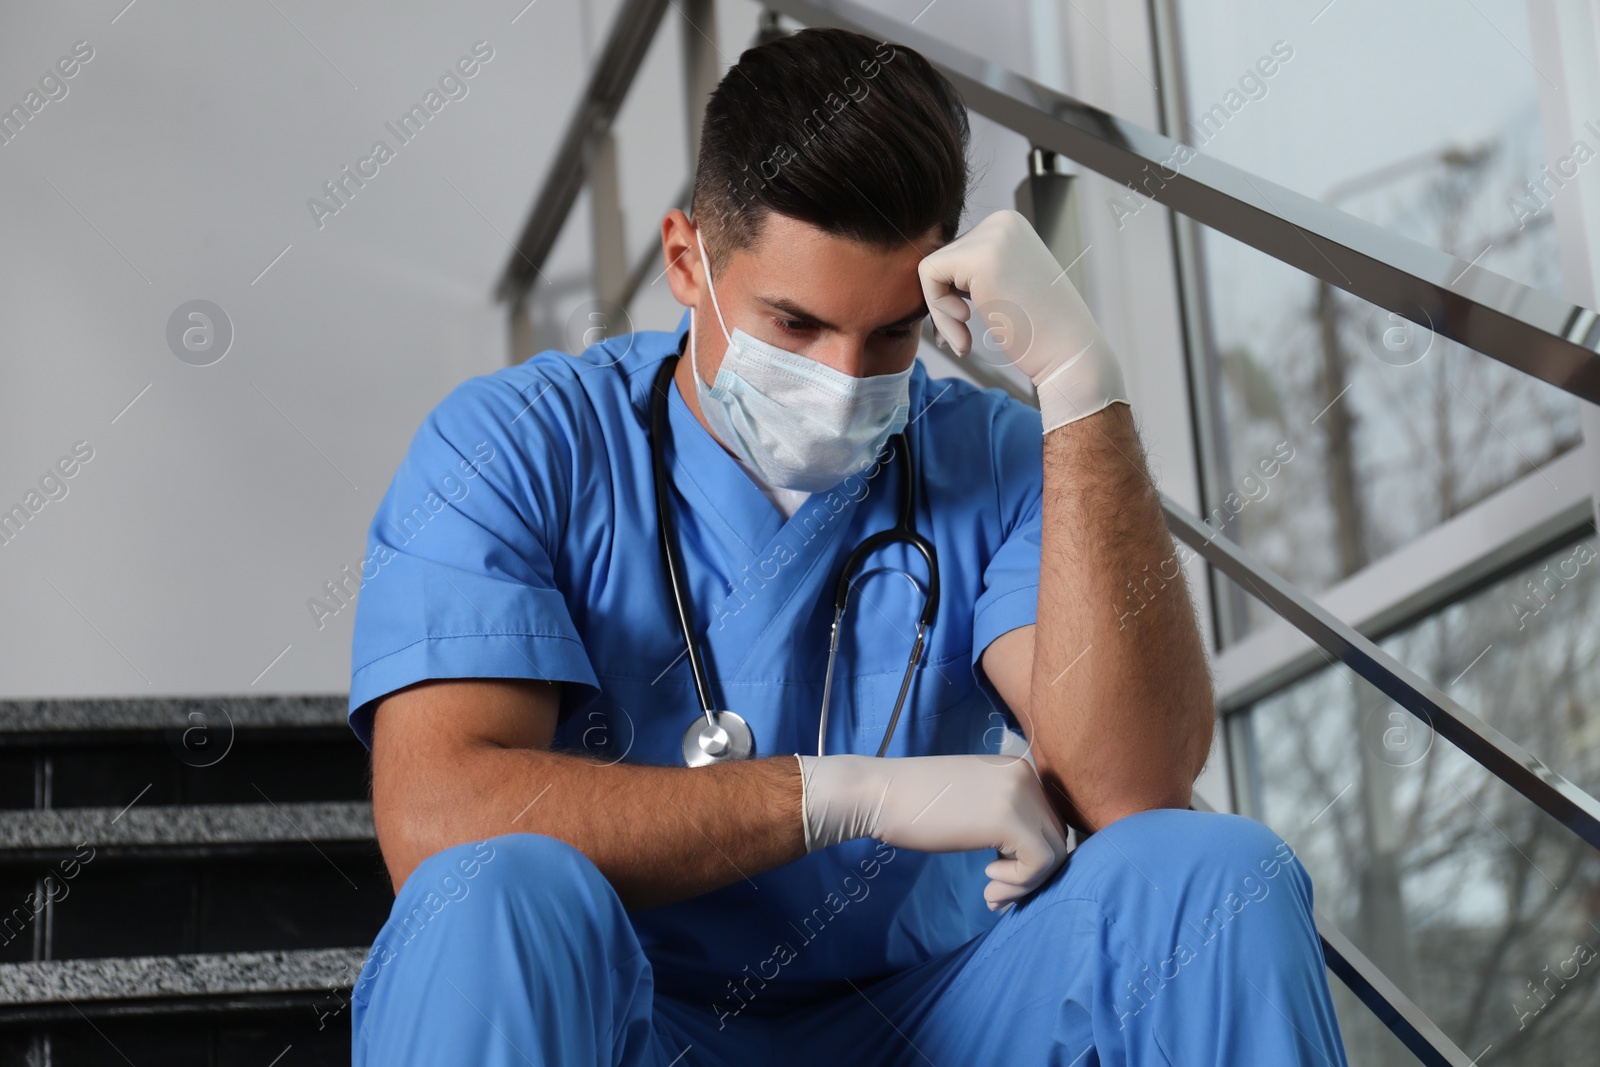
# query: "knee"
(479, 889)
(1176, 851)
(497, 907)
(497, 866)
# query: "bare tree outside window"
(1487, 911)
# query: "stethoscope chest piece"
(728, 738)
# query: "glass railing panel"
(1481, 908)
(1344, 431)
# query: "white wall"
(178, 166)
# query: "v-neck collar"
(714, 483)
(757, 547)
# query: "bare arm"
(465, 759)
(1116, 703)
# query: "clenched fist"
(939, 804)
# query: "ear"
(680, 254)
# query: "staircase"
(183, 881)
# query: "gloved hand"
(1040, 321)
(938, 804)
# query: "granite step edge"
(217, 714)
(179, 825)
(128, 978)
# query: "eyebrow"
(795, 311)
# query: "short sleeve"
(1010, 596)
(458, 581)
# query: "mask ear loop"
(711, 285)
(694, 355)
(694, 363)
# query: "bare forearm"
(1120, 698)
(658, 834)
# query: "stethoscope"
(716, 736)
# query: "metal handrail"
(631, 33)
(1496, 753)
(650, 256)
(1534, 331)
(1407, 1022)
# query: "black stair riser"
(292, 898)
(256, 1035)
(78, 772)
(328, 1006)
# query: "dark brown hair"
(859, 137)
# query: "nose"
(849, 354)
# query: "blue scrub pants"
(1171, 937)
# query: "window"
(1483, 909)
(1392, 429)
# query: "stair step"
(29, 721)
(100, 753)
(199, 983)
(183, 859)
(28, 835)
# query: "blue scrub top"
(518, 539)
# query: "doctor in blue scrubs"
(596, 863)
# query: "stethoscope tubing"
(903, 532)
(668, 538)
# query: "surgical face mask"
(795, 422)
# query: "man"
(569, 892)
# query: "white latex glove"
(938, 804)
(1026, 300)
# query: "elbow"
(1149, 800)
(401, 844)
(409, 822)
(1200, 745)
(1161, 782)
